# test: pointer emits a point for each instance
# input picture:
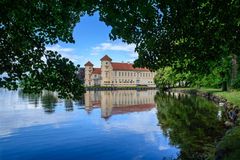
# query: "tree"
(198, 35)
(25, 28)
(189, 35)
(169, 77)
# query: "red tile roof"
(88, 64)
(132, 108)
(96, 71)
(106, 58)
(123, 109)
(117, 66)
(126, 67)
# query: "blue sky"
(92, 43)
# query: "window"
(119, 73)
(106, 62)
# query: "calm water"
(107, 125)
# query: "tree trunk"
(224, 85)
(224, 81)
(234, 68)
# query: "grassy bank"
(231, 96)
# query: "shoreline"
(110, 88)
(208, 95)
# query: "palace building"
(117, 74)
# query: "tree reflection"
(31, 98)
(49, 101)
(191, 123)
(68, 105)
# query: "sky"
(92, 42)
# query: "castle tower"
(106, 69)
(106, 104)
(88, 73)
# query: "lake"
(121, 124)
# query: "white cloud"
(134, 55)
(66, 52)
(123, 47)
(161, 148)
(115, 47)
(59, 49)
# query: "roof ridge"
(122, 62)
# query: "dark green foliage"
(25, 28)
(59, 75)
(195, 34)
(229, 147)
(190, 36)
(236, 83)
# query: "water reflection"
(31, 98)
(110, 102)
(19, 110)
(119, 102)
(28, 131)
(68, 105)
(191, 123)
(49, 100)
(188, 126)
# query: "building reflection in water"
(120, 101)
